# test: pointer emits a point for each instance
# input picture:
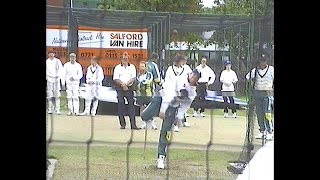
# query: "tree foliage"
(188, 6)
(242, 7)
(237, 41)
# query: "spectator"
(94, 78)
(125, 75)
(228, 77)
(207, 78)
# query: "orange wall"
(55, 2)
(109, 58)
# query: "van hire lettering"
(127, 36)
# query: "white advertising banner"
(100, 39)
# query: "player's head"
(154, 56)
(142, 67)
(263, 60)
(177, 60)
(94, 60)
(203, 61)
(194, 77)
(72, 57)
(51, 54)
(125, 58)
(227, 64)
(184, 60)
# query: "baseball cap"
(72, 55)
(227, 62)
(263, 57)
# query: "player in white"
(186, 72)
(94, 78)
(54, 73)
(207, 78)
(175, 73)
(228, 78)
(72, 75)
(175, 102)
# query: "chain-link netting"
(112, 34)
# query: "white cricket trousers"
(72, 90)
(53, 92)
(92, 96)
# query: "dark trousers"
(230, 105)
(200, 99)
(152, 110)
(263, 102)
(122, 107)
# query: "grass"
(63, 101)
(110, 163)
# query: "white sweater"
(264, 81)
(54, 70)
(94, 75)
(228, 77)
(206, 73)
(74, 71)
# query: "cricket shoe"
(269, 136)
(144, 124)
(84, 114)
(186, 124)
(160, 162)
(195, 114)
(234, 115)
(175, 128)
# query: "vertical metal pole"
(251, 109)
(271, 40)
(259, 37)
(69, 31)
(169, 36)
(239, 53)
(157, 38)
(152, 38)
(161, 38)
(231, 44)
(224, 42)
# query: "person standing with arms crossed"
(263, 77)
(144, 90)
(54, 73)
(94, 78)
(72, 75)
(207, 78)
(228, 77)
(148, 114)
(125, 75)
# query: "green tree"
(238, 41)
(190, 6)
